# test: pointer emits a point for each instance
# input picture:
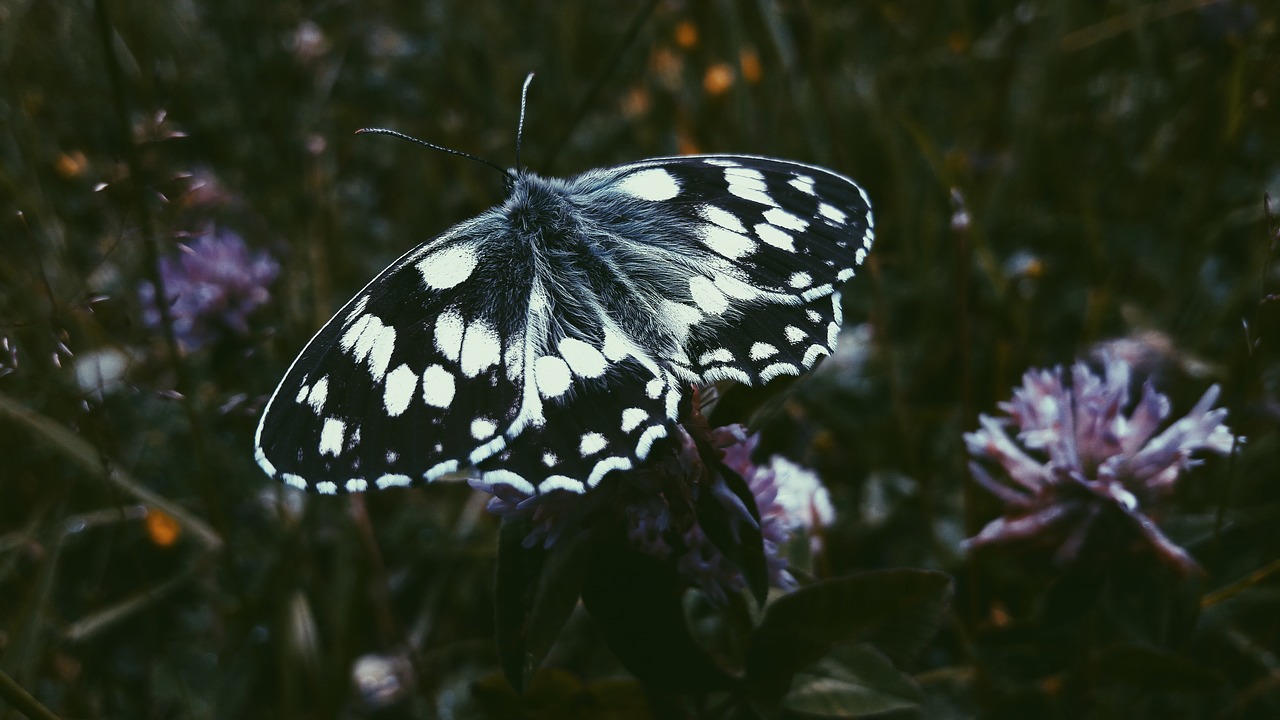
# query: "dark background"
(1111, 157)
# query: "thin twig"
(79, 450)
(22, 701)
(1117, 25)
(151, 251)
(1244, 583)
(1251, 342)
(96, 622)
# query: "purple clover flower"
(1083, 452)
(213, 287)
(658, 521)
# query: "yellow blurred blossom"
(162, 528)
(71, 164)
(749, 61)
(718, 79)
(686, 34)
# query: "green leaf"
(556, 694)
(1153, 669)
(852, 682)
(636, 602)
(536, 591)
(898, 611)
(738, 540)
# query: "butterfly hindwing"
(550, 341)
(764, 244)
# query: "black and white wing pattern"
(551, 340)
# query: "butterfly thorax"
(539, 207)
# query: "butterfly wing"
(387, 392)
(756, 250)
(550, 341)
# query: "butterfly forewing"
(373, 400)
(550, 341)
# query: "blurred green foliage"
(1046, 175)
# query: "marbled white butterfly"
(550, 340)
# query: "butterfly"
(549, 341)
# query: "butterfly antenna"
(524, 97)
(383, 131)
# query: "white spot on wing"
(775, 236)
(294, 480)
(794, 334)
(483, 428)
(812, 354)
(721, 372)
(777, 369)
(583, 359)
(592, 443)
(392, 480)
(449, 267)
(616, 345)
(707, 296)
(358, 309)
(331, 436)
(487, 450)
(832, 213)
(722, 218)
(632, 417)
(368, 339)
(679, 317)
(401, 384)
(327, 487)
(354, 331)
(552, 375)
(606, 466)
(784, 219)
(357, 485)
(803, 183)
(653, 388)
(319, 393)
(752, 194)
(510, 479)
(449, 329)
(744, 178)
(653, 184)
(833, 332)
(438, 386)
(481, 348)
(731, 244)
(549, 459)
(648, 438)
(800, 280)
(816, 292)
(672, 400)
(440, 469)
(561, 482)
(735, 288)
(718, 355)
(760, 351)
